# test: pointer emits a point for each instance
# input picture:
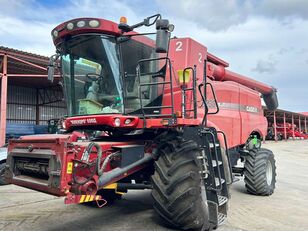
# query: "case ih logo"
(84, 121)
(251, 109)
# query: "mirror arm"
(146, 22)
(53, 59)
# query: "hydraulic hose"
(86, 165)
(101, 170)
(85, 162)
(86, 155)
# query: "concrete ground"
(286, 209)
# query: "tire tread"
(255, 172)
(175, 186)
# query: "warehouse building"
(286, 124)
(28, 99)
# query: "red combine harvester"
(160, 114)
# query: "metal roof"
(24, 54)
(25, 68)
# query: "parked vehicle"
(169, 116)
(288, 128)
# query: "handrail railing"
(194, 92)
(170, 82)
(203, 94)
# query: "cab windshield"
(91, 76)
(99, 75)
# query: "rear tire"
(260, 172)
(2, 174)
(178, 191)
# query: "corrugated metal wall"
(51, 112)
(22, 106)
(19, 113)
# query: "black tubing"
(101, 170)
(126, 186)
(109, 176)
(86, 155)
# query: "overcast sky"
(264, 39)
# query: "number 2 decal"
(200, 58)
(179, 45)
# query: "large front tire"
(178, 190)
(260, 172)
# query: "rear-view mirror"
(162, 35)
(51, 67)
(162, 41)
(51, 72)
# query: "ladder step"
(217, 181)
(235, 178)
(214, 163)
(221, 218)
(222, 200)
(212, 145)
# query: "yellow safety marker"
(114, 186)
(82, 198)
(87, 198)
(69, 168)
(111, 186)
(181, 74)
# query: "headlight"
(63, 124)
(117, 122)
(94, 23)
(81, 24)
(127, 121)
(55, 33)
(70, 26)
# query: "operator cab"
(99, 68)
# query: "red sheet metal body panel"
(240, 107)
(105, 26)
(35, 146)
(60, 151)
